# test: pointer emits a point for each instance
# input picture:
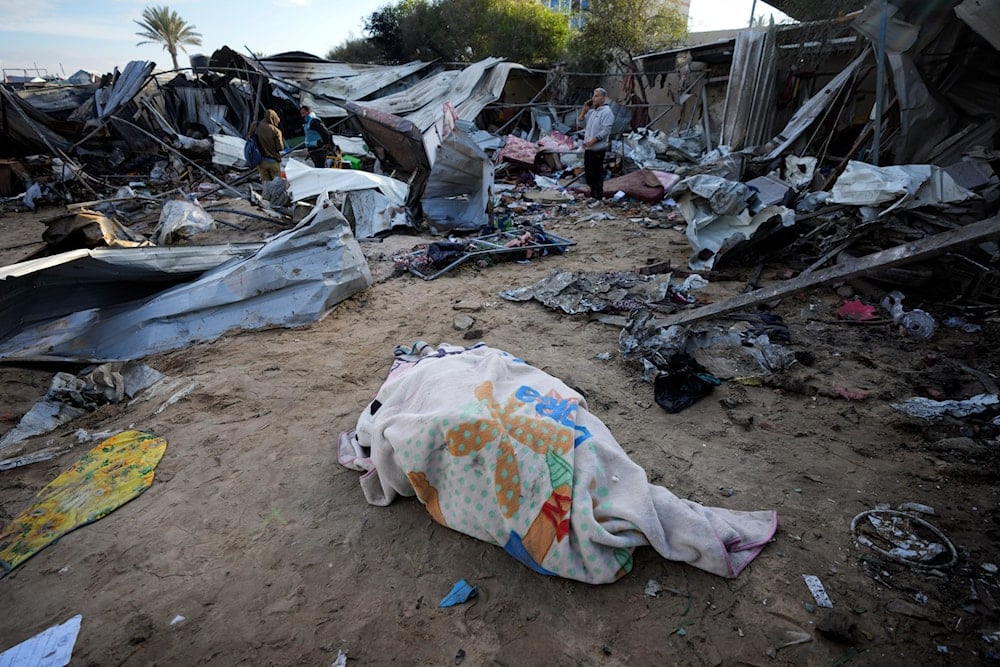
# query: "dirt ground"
(255, 535)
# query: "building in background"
(576, 10)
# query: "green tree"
(616, 31)
(163, 25)
(467, 30)
(356, 50)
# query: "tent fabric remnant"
(551, 484)
(516, 149)
(907, 186)
(293, 279)
(306, 182)
(645, 185)
(105, 478)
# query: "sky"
(62, 36)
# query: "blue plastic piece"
(460, 592)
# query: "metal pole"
(753, 8)
(880, 84)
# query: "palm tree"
(162, 24)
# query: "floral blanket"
(502, 451)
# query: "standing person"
(317, 137)
(598, 118)
(271, 142)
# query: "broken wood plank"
(901, 254)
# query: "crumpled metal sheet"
(720, 215)
(459, 186)
(582, 292)
(294, 279)
(43, 289)
(128, 85)
(372, 213)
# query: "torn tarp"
(294, 279)
(306, 182)
(908, 185)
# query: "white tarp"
(305, 182)
(908, 185)
(294, 279)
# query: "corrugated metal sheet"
(131, 81)
(459, 186)
(49, 287)
(427, 91)
(307, 67)
(294, 279)
(373, 213)
(361, 85)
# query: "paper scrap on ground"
(51, 648)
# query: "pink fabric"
(556, 141)
(520, 150)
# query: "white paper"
(51, 648)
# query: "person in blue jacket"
(317, 137)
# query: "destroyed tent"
(293, 279)
(819, 82)
(220, 104)
(418, 132)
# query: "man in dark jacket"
(271, 142)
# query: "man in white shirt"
(598, 118)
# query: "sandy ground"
(264, 545)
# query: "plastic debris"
(962, 325)
(340, 660)
(46, 649)
(917, 324)
(653, 588)
(916, 507)
(461, 592)
(818, 592)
